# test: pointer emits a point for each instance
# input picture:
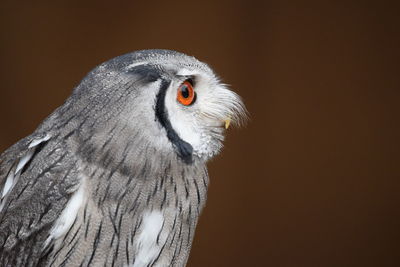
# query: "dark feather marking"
(69, 253)
(198, 191)
(147, 72)
(204, 181)
(69, 230)
(173, 225)
(69, 134)
(134, 204)
(46, 170)
(130, 179)
(76, 234)
(173, 237)
(30, 222)
(101, 200)
(162, 181)
(95, 243)
(55, 256)
(187, 192)
(18, 196)
(85, 213)
(65, 122)
(164, 199)
(18, 230)
(37, 151)
(5, 240)
(111, 135)
(143, 170)
(53, 150)
(180, 231)
(93, 174)
(124, 193)
(127, 250)
(115, 256)
(174, 256)
(114, 224)
(79, 127)
(180, 246)
(148, 200)
(155, 189)
(87, 226)
(110, 251)
(120, 221)
(112, 240)
(168, 237)
(180, 239)
(42, 174)
(47, 208)
(117, 209)
(159, 233)
(45, 256)
(185, 183)
(184, 149)
(135, 230)
(107, 160)
(190, 213)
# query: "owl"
(117, 176)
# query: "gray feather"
(108, 150)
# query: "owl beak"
(227, 123)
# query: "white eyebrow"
(135, 65)
(186, 72)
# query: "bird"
(117, 175)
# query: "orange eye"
(186, 95)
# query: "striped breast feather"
(38, 176)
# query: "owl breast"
(150, 223)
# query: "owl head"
(158, 101)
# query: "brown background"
(314, 178)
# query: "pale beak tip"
(227, 123)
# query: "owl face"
(171, 102)
(200, 109)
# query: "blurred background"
(314, 178)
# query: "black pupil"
(185, 91)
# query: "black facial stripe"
(183, 148)
(147, 72)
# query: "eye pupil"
(185, 91)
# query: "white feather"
(147, 246)
(135, 65)
(12, 178)
(36, 142)
(187, 72)
(24, 160)
(9, 183)
(68, 215)
(28, 156)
